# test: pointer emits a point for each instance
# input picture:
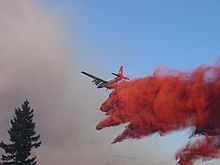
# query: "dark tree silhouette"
(23, 138)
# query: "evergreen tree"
(23, 138)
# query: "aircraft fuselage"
(108, 85)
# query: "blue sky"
(143, 34)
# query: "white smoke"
(38, 62)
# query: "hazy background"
(45, 44)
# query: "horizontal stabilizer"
(115, 74)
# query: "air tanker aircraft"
(109, 84)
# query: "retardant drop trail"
(168, 101)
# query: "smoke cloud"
(168, 101)
(39, 63)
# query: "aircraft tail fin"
(120, 72)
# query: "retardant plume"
(168, 101)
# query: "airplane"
(108, 84)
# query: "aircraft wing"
(95, 80)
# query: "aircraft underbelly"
(102, 85)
